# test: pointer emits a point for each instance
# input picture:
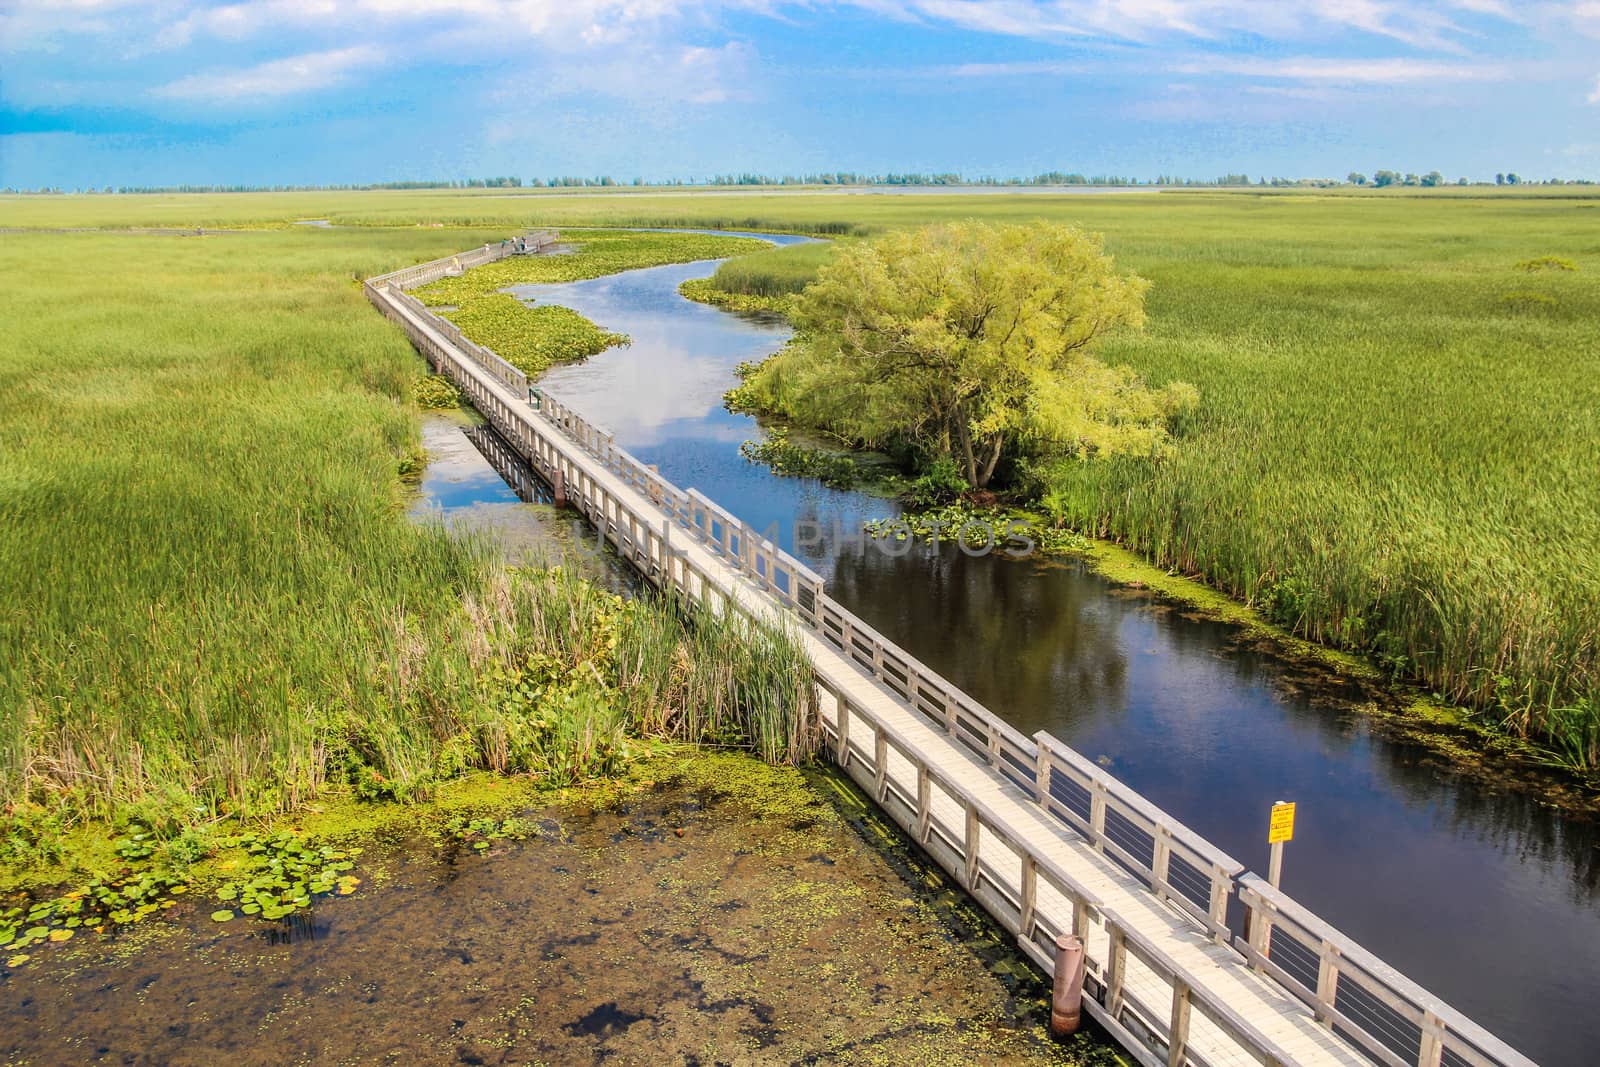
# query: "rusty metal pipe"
(1066, 1001)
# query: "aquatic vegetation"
(705, 291)
(134, 892)
(481, 832)
(835, 469)
(206, 595)
(977, 529)
(741, 399)
(780, 928)
(286, 873)
(533, 339)
(435, 392)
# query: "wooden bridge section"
(1191, 959)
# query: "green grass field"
(1395, 448)
(213, 598)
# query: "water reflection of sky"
(1414, 863)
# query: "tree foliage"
(968, 339)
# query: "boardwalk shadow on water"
(745, 915)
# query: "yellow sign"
(1281, 828)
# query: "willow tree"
(970, 338)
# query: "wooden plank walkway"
(1046, 841)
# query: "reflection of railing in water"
(1046, 840)
(509, 464)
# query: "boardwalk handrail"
(1349, 987)
(502, 369)
(1359, 999)
(1132, 1022)
(1179, 865)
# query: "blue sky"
(97, 92)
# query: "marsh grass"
(211, 599)
(435, 392)
(1390, 456)
(773, 272)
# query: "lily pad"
(221, 916)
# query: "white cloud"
(1594, 97)
(1345, 71)
(275, 78)
(678, 50)
(1421, 23)
(1006, 70)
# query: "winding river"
(1487, 898)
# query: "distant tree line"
(1379, 179)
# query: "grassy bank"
(764, 281)
(214, 602)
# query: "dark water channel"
(1485, 897)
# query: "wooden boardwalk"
(1191, 959)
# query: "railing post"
(1160, 860)
(880, 761)
(1327, 982)
(924, 805)
(1178, 1032)
(1218, 910)
(1431, 1053)
(842, 716)
(1097, 815)
(1116, 965)
(1258, 929)
(1041, 774)
(1030, 895)
(972, 845)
